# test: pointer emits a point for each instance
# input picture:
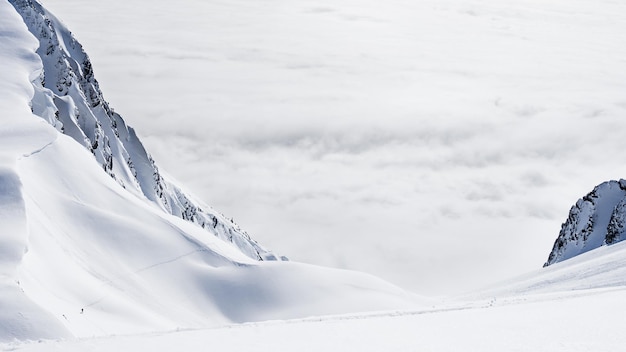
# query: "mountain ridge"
(68, 97)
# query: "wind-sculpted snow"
(20, 317)
(595, 220)
(68, 97)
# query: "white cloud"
(437, 144)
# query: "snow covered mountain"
(595, 220)
(91, 246)
(94, 241)
(68, 97)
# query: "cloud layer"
(436, 144)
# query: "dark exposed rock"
(595, 220)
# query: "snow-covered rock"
(68, 97)
(595, 220)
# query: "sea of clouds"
(436, 144)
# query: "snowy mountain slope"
(19, 134)
(84, 252)
(576, 305)
(595, 220)
(602, 268)
(68, 96)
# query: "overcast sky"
(436, 144)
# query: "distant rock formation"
(597, 219)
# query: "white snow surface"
(576, 305)
(80, 255)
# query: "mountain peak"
(595, 220)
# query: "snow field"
(105, 262)
(590, 322)
(548, 310)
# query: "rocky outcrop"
(597, 219)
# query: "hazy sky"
(436, 144)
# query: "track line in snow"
(111, 282)
(453, 307)
(39, 150)
(171, 260)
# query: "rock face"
(68, 97)
(597, 219)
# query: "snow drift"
(94, 241)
